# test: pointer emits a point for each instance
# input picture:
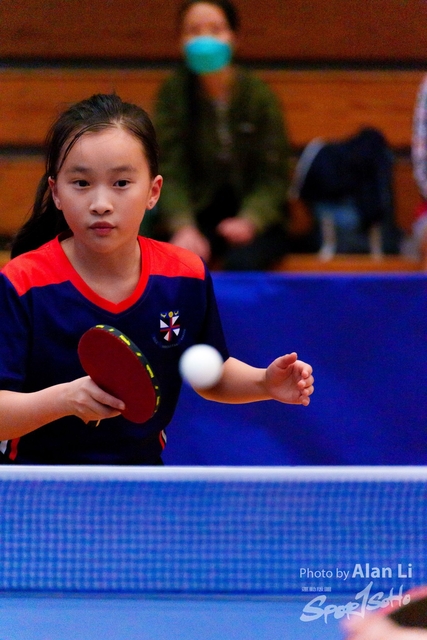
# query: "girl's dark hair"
(99, 112)
(228, 8)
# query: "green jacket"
(258, 168)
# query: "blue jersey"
(45, 307)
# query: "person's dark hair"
(99, 112)
(228, 8)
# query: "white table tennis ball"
(201, 366)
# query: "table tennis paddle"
(413, 614)
(118, 367)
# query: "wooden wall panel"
(19, 178)
(31, 99)
(271, 29)
(335, 104)
(330, 104)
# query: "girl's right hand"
(84, 399)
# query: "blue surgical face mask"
(206, 54)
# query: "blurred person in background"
(223, 149)
(419, 161)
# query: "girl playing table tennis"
(78, 262)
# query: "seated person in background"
(348, 187)
(419, 161)
(223, 149)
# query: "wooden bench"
(317, 103)
(308, 263)
(327, 103)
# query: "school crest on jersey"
(170, 328)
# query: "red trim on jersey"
(14, 448)
(162, 439)
(37, 268)
(49, 265)
(170, 261)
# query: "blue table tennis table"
(142, 618)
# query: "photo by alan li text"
(359, 570)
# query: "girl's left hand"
(290, 380)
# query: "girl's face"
(104, 187)
(205, 19)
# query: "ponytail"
(44, 224)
